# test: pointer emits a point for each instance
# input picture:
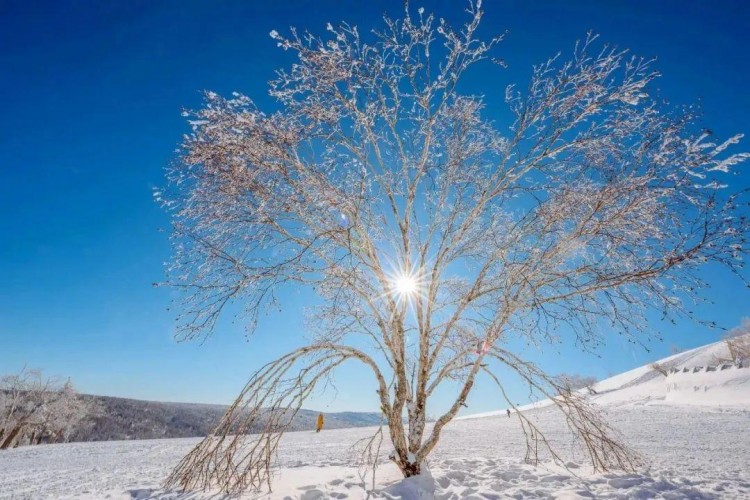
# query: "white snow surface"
(696, 443)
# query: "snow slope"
(695, 451)
(729, 386)
(693, 385)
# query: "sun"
(405, 285)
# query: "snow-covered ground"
(698, 450)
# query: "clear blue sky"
(91, 99)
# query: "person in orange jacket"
(319, 423)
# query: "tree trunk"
(11, 439)
(401, 455)
(409, 469)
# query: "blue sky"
(92, 93)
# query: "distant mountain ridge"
(124, 419)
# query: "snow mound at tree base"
(421, 487)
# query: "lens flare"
(406, 285)
(406, 282)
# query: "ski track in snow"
(692, 452)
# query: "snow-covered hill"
(696, 377)
(699, 376)
(695, 451)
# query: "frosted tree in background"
(570, 382)
(433, 236)
(36, 409)
(737, 341)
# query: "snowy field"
(693, 451)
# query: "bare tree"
(34, 409)
(737, 341)
(660, 369)
(571, 382)
(431, 237)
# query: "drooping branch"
(603, 445)
(239, 453)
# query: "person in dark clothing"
(508, 411)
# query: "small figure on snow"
(508, 412)
(319, 423)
